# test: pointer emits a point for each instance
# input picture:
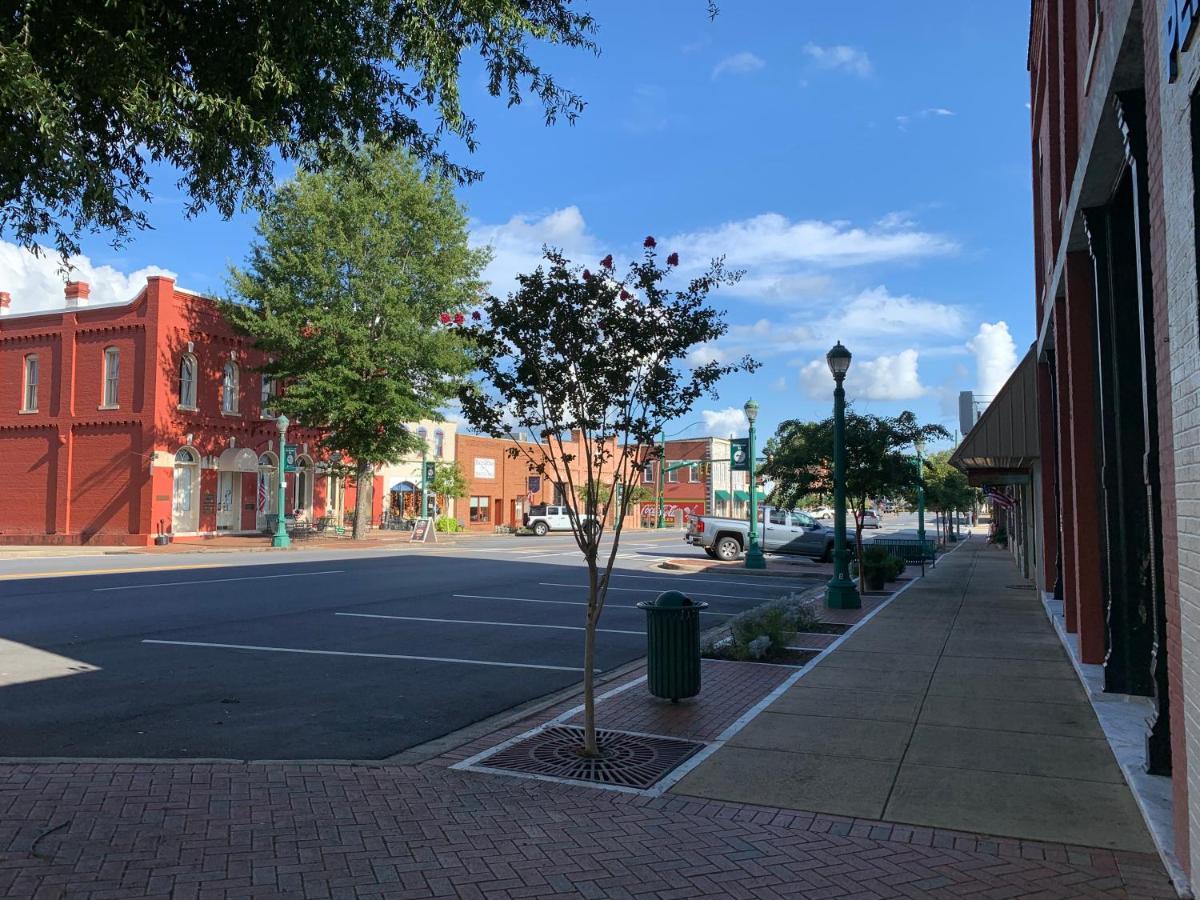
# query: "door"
(777, 533)
(229, 501)
(812, 536)
(558, 517)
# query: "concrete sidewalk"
(954, 707)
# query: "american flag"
(262, 494)
(999, 498)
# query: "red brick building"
(119, 421)
(707, 488)
(502, 487)
(1107, 494)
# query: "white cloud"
(937, 111)
(875, 313)
(36, 282)
(894, 377)
(995, 357)
(840, 56)
(517, 244)
(771, 240)
(738, 64)
(724, 422)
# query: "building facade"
(1109, 508)
(707, 488)
(402, 480)
(121, 422)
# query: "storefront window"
(480, 509)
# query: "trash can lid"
(671, 600)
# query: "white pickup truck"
(780, 531)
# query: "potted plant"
(880, 567)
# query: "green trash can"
(673, 645)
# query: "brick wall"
(1173, 229)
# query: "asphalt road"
(311, 655)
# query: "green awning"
(744, 496)
(721, 495)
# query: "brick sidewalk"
(225, 831)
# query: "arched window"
(230, 388)
(187, 381)
(268, 489)
(302, 499)
(112, 377)
(423, 434)
(186, 482)
(439, 443)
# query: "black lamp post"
(840, 593)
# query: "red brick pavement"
(272, 830)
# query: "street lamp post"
(281, 538)
(662, 474)
(754, 555)
(920, 491)
(840, 593)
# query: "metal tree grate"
(626, 760)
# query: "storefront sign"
(422, 532)
(484, 467)
(1179, 27)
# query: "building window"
(439, 444)
(648, 474)
(480, 509)
(267, 395)
(672, 475)
(229, 388)
(187, 381)
(30, 398)
(112, 377)
(302, 501)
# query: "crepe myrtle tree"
(592, 364)
(878, 463)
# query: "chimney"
(77, 293)
(5, 303)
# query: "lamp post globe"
(840, 593)
(754, 554)
(281, 538)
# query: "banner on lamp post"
(739, 455)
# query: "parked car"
(870, 519)
(542, 518)
(822, 512)
(782, 531)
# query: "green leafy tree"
(92, 94)
(878, 460)
(947, 490)
(345, 289)
(593, 364)
(449, 480)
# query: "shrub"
(775, 621)
(446, 523)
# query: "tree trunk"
(590, 746)
(362, 499)
(862, 575)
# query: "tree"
(93, 93)
(593, 365)
(878, 460)
(947, 490)
(448, 480)
(344, 290)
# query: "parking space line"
(569, 603)
(650, 591)
(691, 578)
(136, 587)
(475, 622)
(443, 659)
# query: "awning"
(1004, 442)
(404, 487)
(721, 495)
(237, 459)
(744, 496)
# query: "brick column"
(1084, 487)
(1049, 500)
(1066, 464)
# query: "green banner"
(289, 457)
(739, 455)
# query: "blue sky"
(867, 164)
